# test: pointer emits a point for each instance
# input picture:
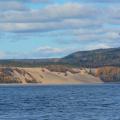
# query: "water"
(78, 102)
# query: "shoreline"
(83, 84)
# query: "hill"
(86, 59)
(94, 58)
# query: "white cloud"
(28, 1)
(48, 50)
(41, 52)
(11, 6)
(51, 13)
(48, 26)
(80, 22)
(98, 46)
(2, 55)
(53, 17)
(57, 17)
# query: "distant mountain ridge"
(89, 59)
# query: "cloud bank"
(78, 23)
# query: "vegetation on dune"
(11, 75)
(6, 76)
(62, 68)
(109, 74)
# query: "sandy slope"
(44, 76)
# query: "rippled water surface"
(78, 102)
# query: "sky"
(55, 28)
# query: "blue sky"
(55, 28)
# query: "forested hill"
(94, 58)
(90, 59)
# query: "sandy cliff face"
(46, 76)
(108, 74)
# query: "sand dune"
(45, 76)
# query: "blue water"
(78, 102)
